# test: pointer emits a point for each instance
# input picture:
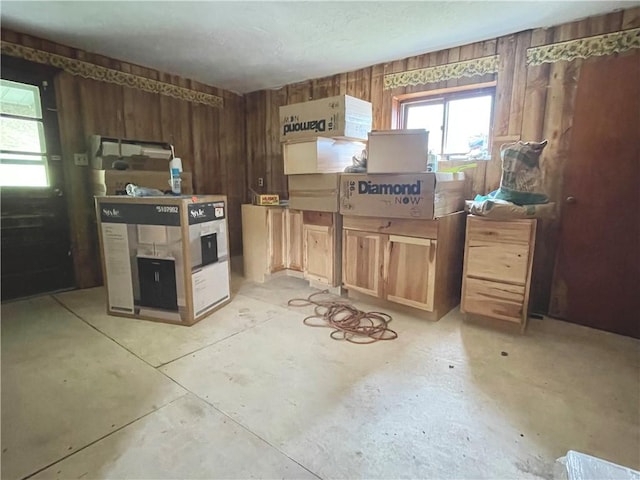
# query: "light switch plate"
(80, 159)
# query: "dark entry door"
(36, 256)
(599, 255)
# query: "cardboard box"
(265, 200)
(397, 151)
(164, 258)
(314, 192)
(114, 182)
(104, 152)
(417, 195)
(341, 116)
(319, 155)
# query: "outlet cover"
(80, 159)
(261, 182)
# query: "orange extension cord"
(348, 322)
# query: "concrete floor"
(251, 392)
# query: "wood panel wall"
(228, 149)
(532, 103)
(210, 141)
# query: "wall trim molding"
(109, 75)
(439, 73)
(597, 45)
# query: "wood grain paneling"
(228, 149)
(210, 141)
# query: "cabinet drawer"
(393, 226)
(493, 299)
(321, 219)
(512, 231)
(502, 262)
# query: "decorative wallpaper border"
(464, 68)
(597, 45)
(103, 74)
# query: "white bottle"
(175, 169)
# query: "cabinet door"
(295, 257)
(277, 239)
(319, 253)
(362, 256)
(410, 271)
(157, 283)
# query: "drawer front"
(502, 262)
(393, 226)
(512, 231)
(493, 299)
(320, 219)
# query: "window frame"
(40, 121)
(445, 95)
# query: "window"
(459, 124)
(23, 150)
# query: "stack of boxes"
(117, 162)
(397, 184)
(320, 139)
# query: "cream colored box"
(340, 116)
(319, 155)
(317, 192)
(397, 151)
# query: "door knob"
(571, 199)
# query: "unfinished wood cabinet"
(497, 268)
(295, 252)
(262, 237)
(277, 239)
(416, 263)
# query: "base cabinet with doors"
(497, 268)
(278, 239)
(416, 263)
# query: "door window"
(23, 149)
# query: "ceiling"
(247, 46)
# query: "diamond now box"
(341, 116)
(409, 195)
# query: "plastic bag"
(521, 181)
(579, 466)
(136, 191)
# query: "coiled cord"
(348, 323)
